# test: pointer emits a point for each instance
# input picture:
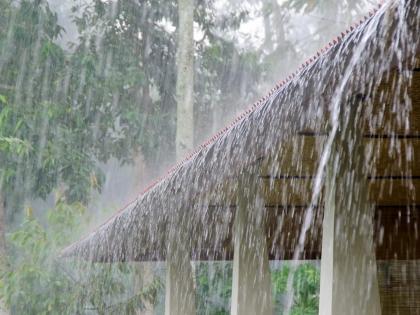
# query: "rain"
(209, 157)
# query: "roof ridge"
(280, 85)
(246, 112)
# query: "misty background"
(280, 35)
(89, 117)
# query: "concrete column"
(349, 284)
(251, 287)
(180, 289)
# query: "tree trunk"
(268, 34)
(185, 79)
(180, 294)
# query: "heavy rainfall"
(209, 157)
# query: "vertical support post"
(349, 284)
(251, 287)
(180, 289)
(144, 279)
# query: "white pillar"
(180, 289)
(349, 284)
(144, 279)
(251, 287)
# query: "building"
(327, 166)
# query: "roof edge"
(279, 86)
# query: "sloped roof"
(208, 177)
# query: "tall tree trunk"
(268, 34)
(3, 261)
(180, 295)
(185, 79)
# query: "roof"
(203, 188)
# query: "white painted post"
(251, 285)
(179, 287)
(180, 291)
(349, 284)
(145, 278)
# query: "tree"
(36, 283)
(185, 78)
(25, 24)
(127, 58)
(38, 114)
(54, 128)
(112, 95)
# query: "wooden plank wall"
(399, 286)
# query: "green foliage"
(306, 282)
(127, 55)
(41, 135)
(279, 278)
(14, 146)
(32, 282)
(9, 145)
(110, 289)
(112, 96)
(35, 282)
(128, 66)
(214, 287)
